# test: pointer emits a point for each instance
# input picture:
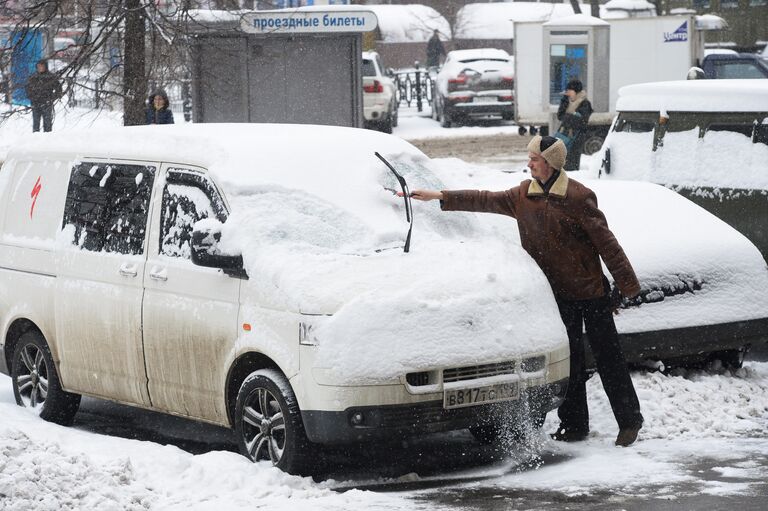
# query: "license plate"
(460, 398)
(486, 99)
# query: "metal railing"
(414, 85)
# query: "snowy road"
(704, 446)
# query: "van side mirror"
(605, 166)
(205, 253)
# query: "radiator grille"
(481, 371)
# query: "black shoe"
(627, 436)
(568, 435)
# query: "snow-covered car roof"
(695, 96)
(478, 54)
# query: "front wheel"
(36, 383)
(592, 144)
(268, 422)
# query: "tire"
(730, 359)
(277, 435)
(522, 130)
(386, 125)
(534, 130)
(445, 119)
(36, 382)
(592, 144)
(395, 117)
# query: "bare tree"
(116, 48)
(576, 6)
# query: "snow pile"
(496, 20)
(689, 415)
(45, 466)
(409, 23)
(694, 96)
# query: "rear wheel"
(445, 119)
(387, 124)
(268, 422)
(36, 383)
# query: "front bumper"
(333, 427)
(679, 344)
(500, 108)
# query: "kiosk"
(287, 66)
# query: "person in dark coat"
(566, 234)
(157, 108)
(435, 50)
(573, 113)
(43, 89)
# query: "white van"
(254, 276)
(705, 139)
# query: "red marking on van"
(35, 192)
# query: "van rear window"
(108, 204)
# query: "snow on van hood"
(462, 296)
(447, 303)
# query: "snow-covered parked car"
(476, 83)
(704, 285)
(254, 276)
(706, 139)
(380, 103)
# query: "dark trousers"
(46, 112)
(597, 318)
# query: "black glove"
(615, 300)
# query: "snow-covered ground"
(705, 433)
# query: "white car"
(380, 101)
(255, 277)
(473, 84)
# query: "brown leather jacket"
(564, 232)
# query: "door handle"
(128, 270)
(159, 274)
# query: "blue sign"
(679, 35)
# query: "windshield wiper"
(406, 198)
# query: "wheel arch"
(244, 365)
(16, 329)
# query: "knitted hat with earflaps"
(550, 148)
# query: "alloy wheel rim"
(263, 426)
(32, 377)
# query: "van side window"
(187, 198)
(636, 122)
(107, 204)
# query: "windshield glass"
(283, 218)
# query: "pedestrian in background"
(43, 89)
(566, 234)
(435, 50)
(157, 108)
(573, 113)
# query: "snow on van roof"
(695, 96)
(629, 5)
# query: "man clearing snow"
(563, 230)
